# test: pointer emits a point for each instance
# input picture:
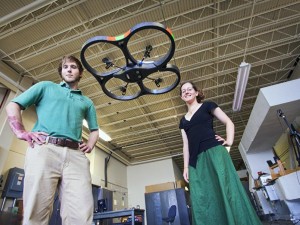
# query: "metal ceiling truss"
(212, 39)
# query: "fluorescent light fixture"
(240, 87)
(102, 134)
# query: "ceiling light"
(102, 134)
(240, 87)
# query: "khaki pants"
(49, 168)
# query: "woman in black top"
(217, 195)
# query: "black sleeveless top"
(199, 130)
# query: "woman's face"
(188, 93)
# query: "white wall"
(177, 172)
(14, 154)
(116, 177)
(6, 134)
(264, 127)
(116, 171)
(242, 173)
(17, 151)
(256, 162)
(139, 176)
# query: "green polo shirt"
(60, 110)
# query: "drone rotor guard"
(134, 71)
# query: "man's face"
(70, 72)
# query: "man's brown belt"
(62, 142)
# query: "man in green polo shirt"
(55, 158)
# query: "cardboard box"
(159, 187)
(180, 184)
(165, 186)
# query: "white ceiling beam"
(39, 17)
(35, 5)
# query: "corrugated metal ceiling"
(212, 39)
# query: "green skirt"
(217, 195)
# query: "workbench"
(120, 213)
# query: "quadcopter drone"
(142, 72)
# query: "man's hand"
(84, 147)
(32, 137)
(89, 145)
(17, 127)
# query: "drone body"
(136, 75)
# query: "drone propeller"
(124, 89)
(109, 63)
(147, 52)
(157, 81)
